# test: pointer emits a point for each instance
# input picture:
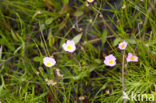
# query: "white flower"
(69, 46)
(132, 58)
(90, 1)
(122, 45)
(49, 61)
(110, 60)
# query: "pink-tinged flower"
(69, 46)
(49, 61)
(110, 60)
(122, 45)
(132, 58)
(90, 1)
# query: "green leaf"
(49, 21)
(77, 38)
(62, 24)
(92, 68)
(65, 2)
(5, 41)
(62, 41)
(116, 41)
(43, 27)
(131, 41)
(14, 35)
(98, 61)
(50, 39)
(17, 49)
(104, 37)
(37, 59)
(78, 13)
(81, 75)
(2, 83)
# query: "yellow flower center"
(111, 62)
(89, 0)
(122, 46)
(132, 58)
(69, 47)
(48, 63)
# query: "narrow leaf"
(77, 38)
(37, 59)
(116, 41)
(104, 37)
(49, 21)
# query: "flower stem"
(51, 70)
(123, 78)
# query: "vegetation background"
(33, 29)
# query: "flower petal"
(49, 60)
(71, 43)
